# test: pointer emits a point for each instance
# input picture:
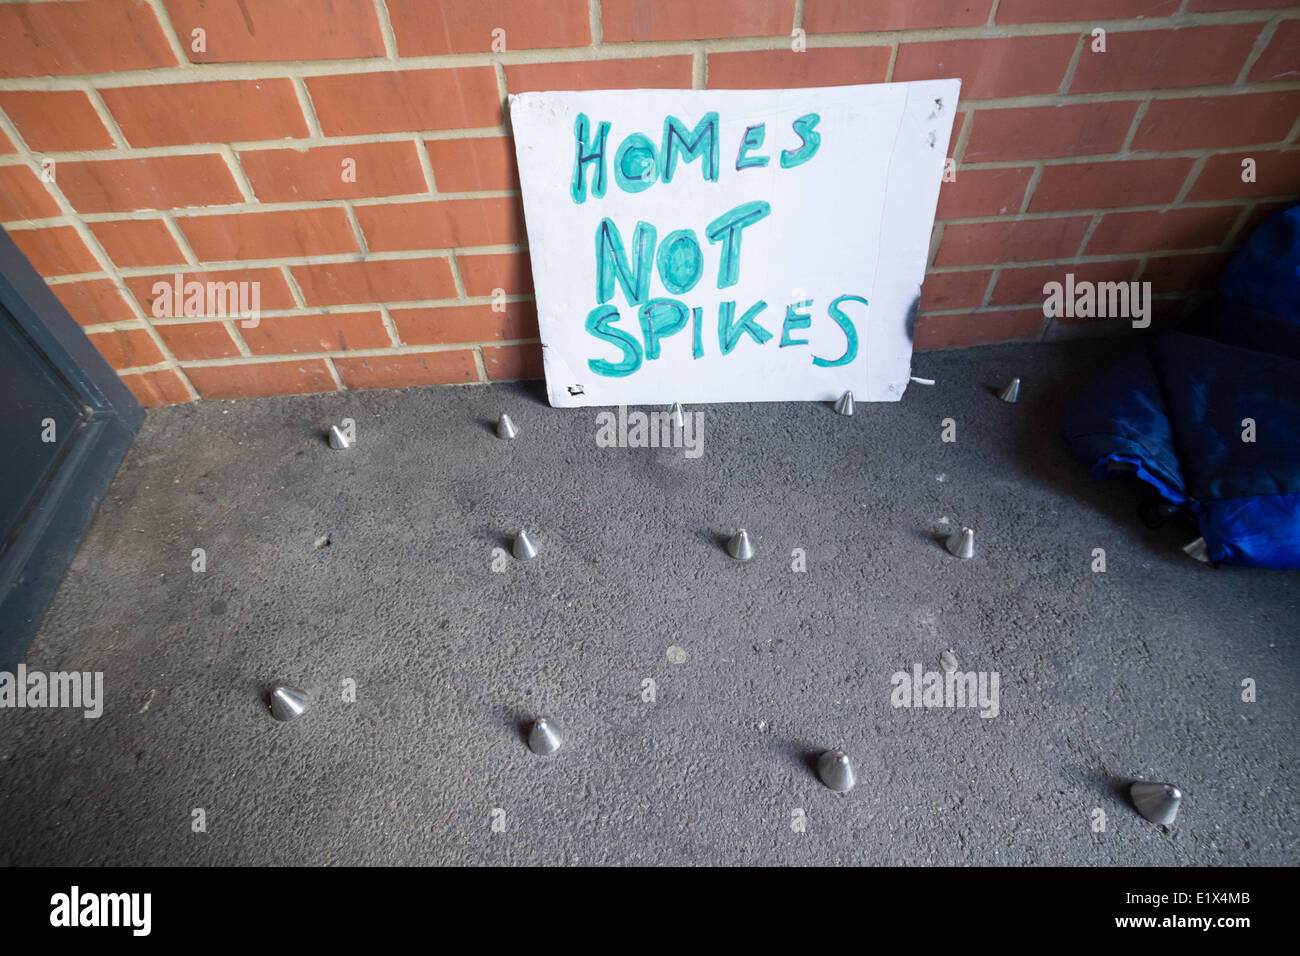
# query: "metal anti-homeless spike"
(962, 543)
(544, 737)
(337, 438)
(1158, 802)
(523, 548)
(836, 771)
(845, 405)
(287, 703)
(505, 427)
(740, 547)
(1011, 394)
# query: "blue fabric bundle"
(1175, 410)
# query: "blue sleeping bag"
(1210, 415)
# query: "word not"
(653, 430)
(56, 689)
(1102, 300)
(103, 909)
(951, 689)
(638, 163)
(211, 299)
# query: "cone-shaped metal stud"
(287, 703)
(1197, 549)
(739, 546)
(1158, 802)
(523, 548)
(337, 438)
(678, 416)
(836, 771)
(505, 427)
(544, 737)
(1011, 394)
(845, 405)
(962, 543)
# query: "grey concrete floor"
(1104, 677)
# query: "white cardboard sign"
(711, 246)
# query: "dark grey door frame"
(36, 554)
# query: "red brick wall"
(226, 163)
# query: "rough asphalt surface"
(1104, 677)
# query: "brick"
(291, 175)
(954, 290)
(1210, 6)
(1008, 66)
(273, 289)
(256, 379)
(983, 192)
(958, 123)
(1277, 173)
(1162, 59)
(57, 251)
(977, 328)
(1211, 121)
(854, 16)
(94, 36)
(1182, 273)
(473, 165)
(158, 182)
(1188, 228)
(1024, 286)
(327, 332)
(404, 371)
(1281, 58)
(270, 235)
(385, 280)
(23, 195)
(1056, 11)
(785, 69)
(131, 243)
(406, 100)
(155, 389)
(448, 325)
(624, 20)
(6, 145)
(648, 73)
(465, 26)
(1213, 5)
(513, 362)
(1049, 132)
(1255, 218)
(198, 341)
(483, 274)
(93, 302)
(271, 30)
(1137, 182)
(977, 243)
(56, 120)
(127, 348)
(443, 224)
(225, 111)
